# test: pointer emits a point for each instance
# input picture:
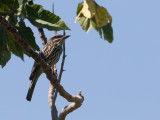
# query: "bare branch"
(42, 35)
(51, 101)
(70, 108)
(51, 94)
(52, 90)
(63, 59)
(54, 112)
(62, 64)
(61, 70)
(46, 69)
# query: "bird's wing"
(49, 51)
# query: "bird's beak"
(66, 36)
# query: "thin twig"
(61, 70)
(42, 35)
(63, 59)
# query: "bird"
(50, 53)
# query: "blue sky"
(120, 81)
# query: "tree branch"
(61, 70)
(46, 69)
(42, 35)
(70, 108)
(63, 59)
(51, 101)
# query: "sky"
(120, 81)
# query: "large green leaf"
(12, 19)
(3, 38)
(8, 6)
(80, 5)
(102, 16)
(21, 11)
(84, 22)
(44, 19)
(4, 57)
(14, 47)
(27, 34)
(108, 32)
(4, 52)
(23, 1)
(95, 27)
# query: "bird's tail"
(30, 91)
(32, 86)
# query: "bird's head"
(59, 38)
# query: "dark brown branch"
(46, 69)
(42, 35)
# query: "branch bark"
(42, 35)
(70, 108)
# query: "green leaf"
(3, 38)
(102, 16)
(4, 52)
(80, 5)
(84, 22)
(21, 11)
(44, 19)
(88, 9)
(22, 1)
(14, 47)
(12, 19)
(8, 43)
(108, 32)
(95, 27)
(27, 34)
(4, 57)
(8, 6)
